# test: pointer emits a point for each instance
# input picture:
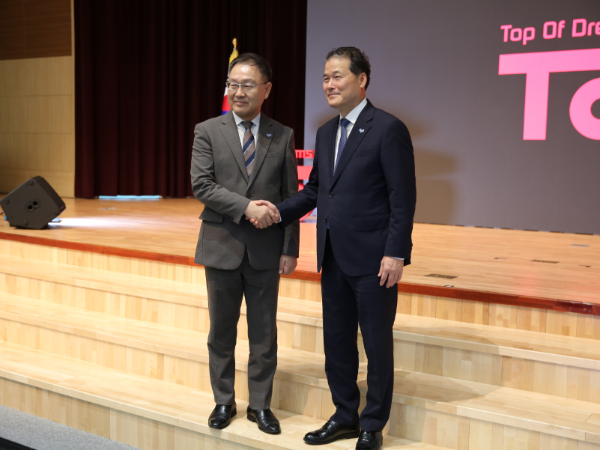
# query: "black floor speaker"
(32, 205)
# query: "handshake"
(261, 213)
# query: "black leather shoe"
(266, 420)
(369, 440)
(331, 432)
(221, 416)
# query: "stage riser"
(290, 392)
(139, 432)
(306, 290)
(507, 316)
(425, 426)
(536, 376)
(567, 324)
(463, 433)
(77, 258)
(194, 318)
(459, 432)
(119, 305)
(533, 376)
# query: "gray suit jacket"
(220, 181)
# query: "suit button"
(325, 219)
(331, 195)
(248, 196)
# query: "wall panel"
(37, 122)
(37, 88)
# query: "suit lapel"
(230, 132)
(359, 131)
(263, 142)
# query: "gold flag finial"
(234, 53)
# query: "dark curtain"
(148, 71)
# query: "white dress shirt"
(242, 130)
(351, 117)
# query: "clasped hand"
(261, 213)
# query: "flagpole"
(234, 54)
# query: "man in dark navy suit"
(363, 184)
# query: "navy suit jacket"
(370, 201)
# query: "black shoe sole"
(353, 435)
(227, 424)
(264, 430)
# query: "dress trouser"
(347, 302)
(225, 291)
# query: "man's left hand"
(390, 270)
(287, 264)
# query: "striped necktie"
(249, 147)
(343, 137)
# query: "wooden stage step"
(564, 366)
(178, 358)
(121, 351)
(139, 411)
(523, 344)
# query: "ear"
(268, 87)
(362, 78)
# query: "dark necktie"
(249, 147)
(343, 138)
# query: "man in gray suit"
(238, 159)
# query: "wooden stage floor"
(502, 266)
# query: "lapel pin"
(361, 130)
(268, 135)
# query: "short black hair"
(359, 61)
(253, 59)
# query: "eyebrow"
(333, 73)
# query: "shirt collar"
(353, 115)
(238, 119)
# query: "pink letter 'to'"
(581, 109)
(537, 67)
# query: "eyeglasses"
(233, 87)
